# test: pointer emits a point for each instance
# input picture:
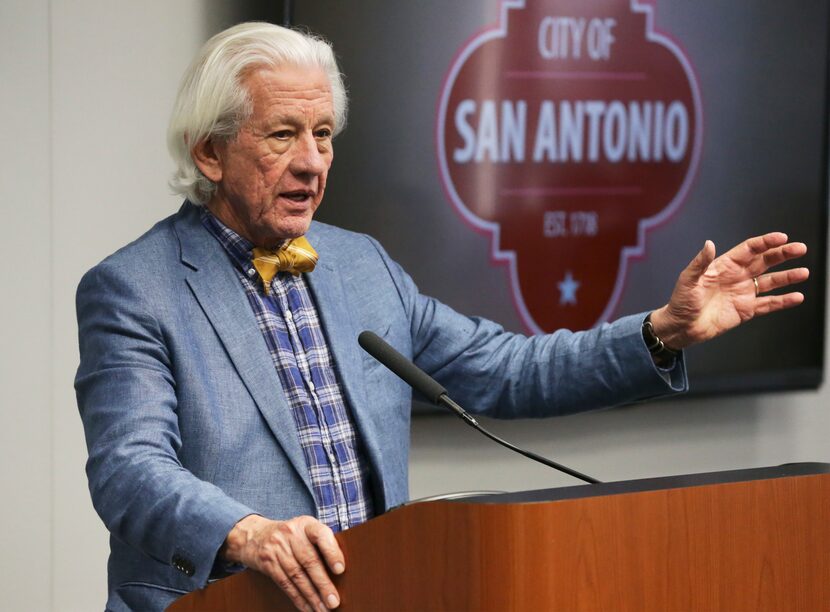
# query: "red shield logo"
(566, 132)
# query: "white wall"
(26, 304)
(87, 88)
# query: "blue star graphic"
(567, 289)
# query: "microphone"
(427, 386)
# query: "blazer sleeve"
(127, 399)
(508, 375)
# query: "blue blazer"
(188, 430)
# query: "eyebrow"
(294, 118)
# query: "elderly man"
(230, 416)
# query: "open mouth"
(299, 195)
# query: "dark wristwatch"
(661, 354)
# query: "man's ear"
(207, 159)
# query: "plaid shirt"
(289, 324)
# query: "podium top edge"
(651, 484)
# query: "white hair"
(213, 103)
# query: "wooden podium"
(741, 540)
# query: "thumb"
(701, 262)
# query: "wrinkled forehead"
(288, 76)
(289, 88)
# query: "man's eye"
(323, 133)
(282, 134)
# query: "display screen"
(557, 163)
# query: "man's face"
(271, 177)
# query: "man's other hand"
(713, 295)
(293, 553)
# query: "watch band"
(661, 354)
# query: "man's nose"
(308, 159)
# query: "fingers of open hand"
(762, 252)
(761, 244)
(700, 263)
(776, 280)
(772, 303)
(753, 249)
(784, 253)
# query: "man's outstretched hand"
(713, 295)
(293, 553)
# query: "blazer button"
(183, 565)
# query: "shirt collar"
(239, 249)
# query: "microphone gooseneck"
(437, 394)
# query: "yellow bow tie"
(295, 256)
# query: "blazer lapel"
(221, 296)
